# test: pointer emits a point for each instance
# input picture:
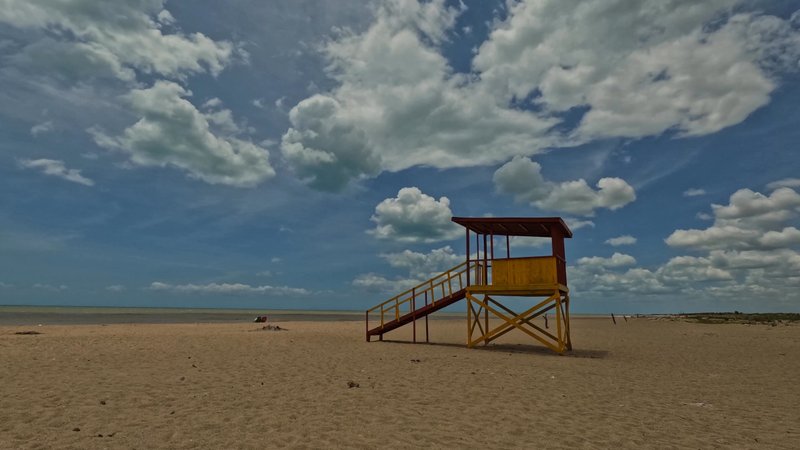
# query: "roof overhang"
(515, 226)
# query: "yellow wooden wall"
(524, 271)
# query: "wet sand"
(644, 383)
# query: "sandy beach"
(644, 383)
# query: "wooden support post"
(414, 314)
(427, 339)
(569, 335)
(477, 259)
(467, 255)
(486, 318)
(366, 320)
(485, 263)
(558, 323)
(469, 321)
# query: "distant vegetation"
(739, 317)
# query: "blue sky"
(309, 154)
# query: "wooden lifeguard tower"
(483, 277)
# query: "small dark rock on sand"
(76, 429)
(352, 384)
(27, 332)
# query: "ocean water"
(79, 315)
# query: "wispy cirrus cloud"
(621, 240)
(229, 288)
(55, 168)
(694, 192)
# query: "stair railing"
(430, 292)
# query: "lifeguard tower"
(484, 277)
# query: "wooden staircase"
(420, 301)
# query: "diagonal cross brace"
(517, 321)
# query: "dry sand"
(644, 383)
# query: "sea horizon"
(19, 315)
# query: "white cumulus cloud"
(658, 66)
(786, 182)
(414, 216)
(687, 68)
(171, 131)
(750, 251)
(86, 39)
(425, 265)
(418, 266)
(751, 220)
(522, 177)
(399, 104)
(616, 260)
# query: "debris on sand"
(27, 332)
(273, 328)
(352, 384)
